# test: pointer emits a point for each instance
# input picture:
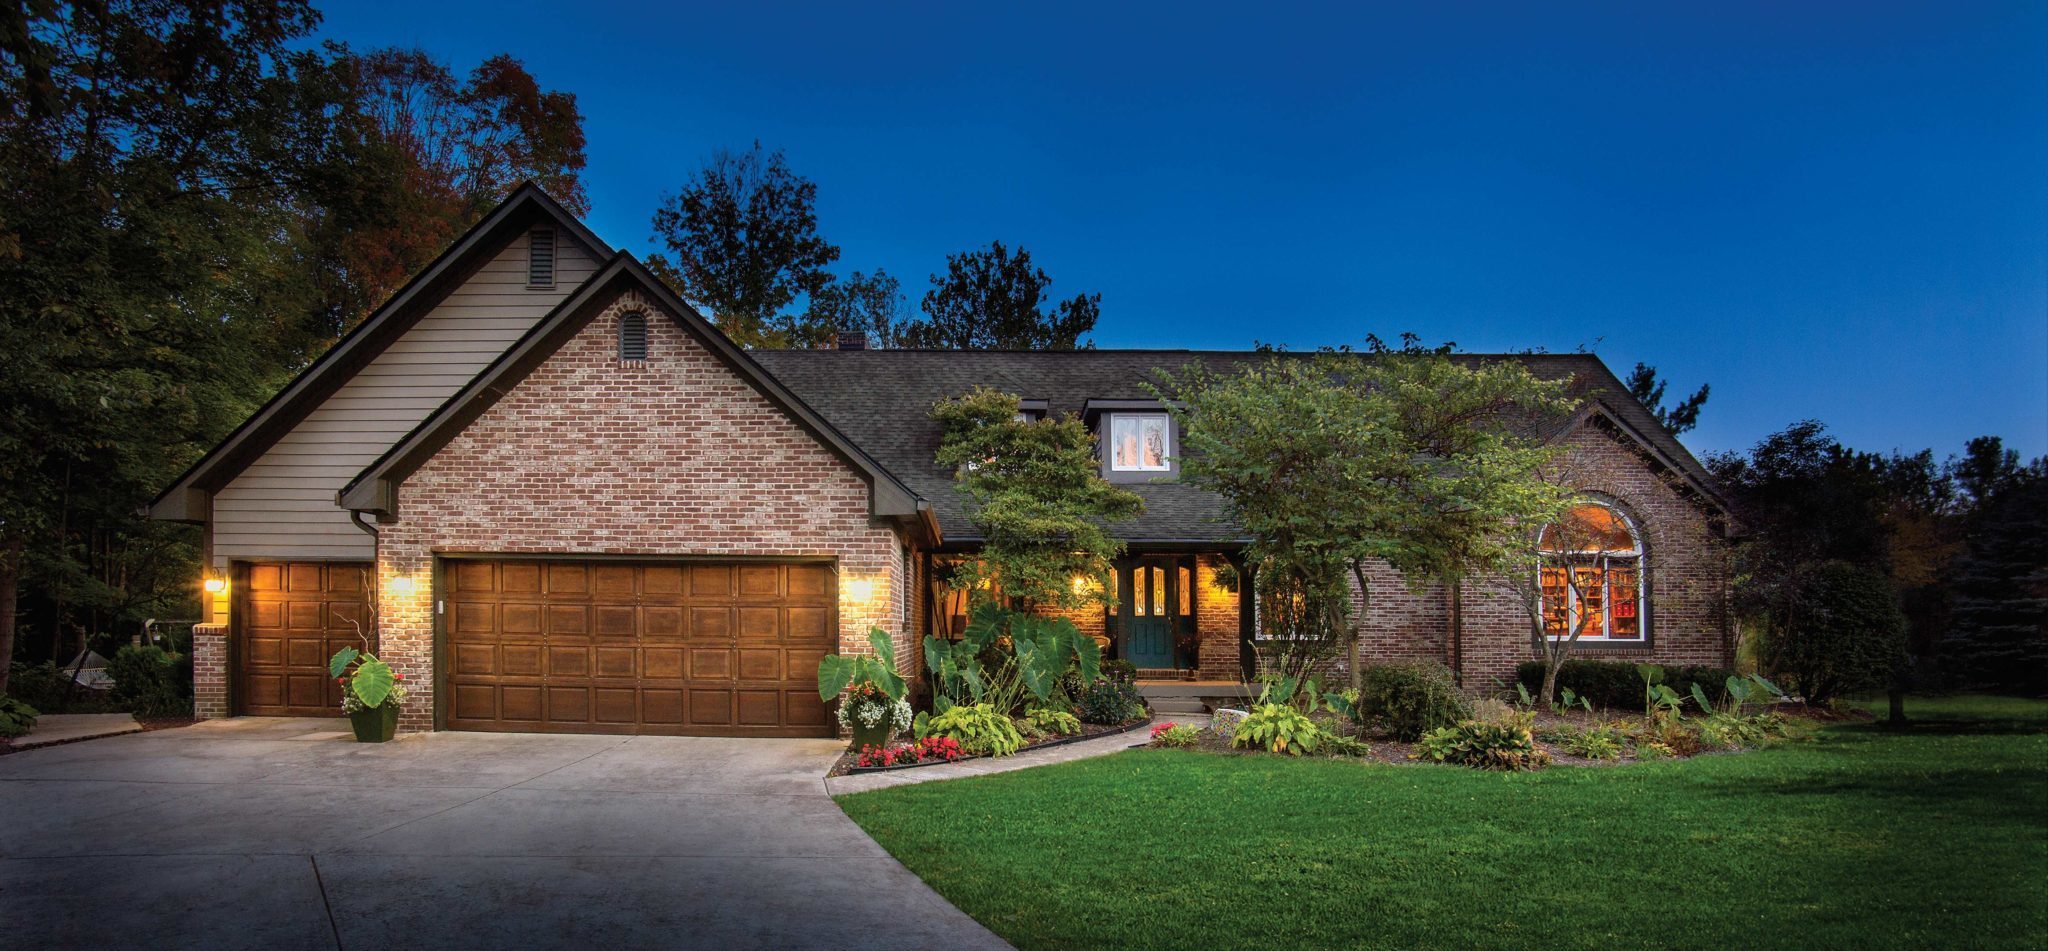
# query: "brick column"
(209, 671)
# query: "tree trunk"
(1550, 666)
(1897, 698)
(10, 590)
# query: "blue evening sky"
(1827, 210)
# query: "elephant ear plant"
(371, 693)
(872, 706)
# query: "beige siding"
(283, 506)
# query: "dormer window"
(1139, 442)
(1031, 411)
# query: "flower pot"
(376, 724)
(878, 735)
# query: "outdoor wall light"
(402, 586)
(860, 589)
(215, 584)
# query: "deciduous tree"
(991, 299)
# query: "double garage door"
(704, 649)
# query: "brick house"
(557, 499)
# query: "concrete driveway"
(268, 833)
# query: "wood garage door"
(289, 618)
(726, 649)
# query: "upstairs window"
(1592, 577)
(633, 337)
(540, 259)
(1140, 442)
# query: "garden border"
(1046, 745)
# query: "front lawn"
(1855, 837)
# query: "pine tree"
(2000, 633)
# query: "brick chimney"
(851, 340)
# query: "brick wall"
(1216, 623)
(209, 670)
(673, 455)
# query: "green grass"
(1853, 837)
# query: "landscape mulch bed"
(844, 766)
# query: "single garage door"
(692, 649)
(288, 619)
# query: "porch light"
(402, 586)
(215, 584)
(860, 589)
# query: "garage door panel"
(629, 648)
(472, 617)
(288, 619)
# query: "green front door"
(1148, 601)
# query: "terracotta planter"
(375, 725)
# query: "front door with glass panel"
(1152, 596)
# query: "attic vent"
(633, 337)
(540, 259)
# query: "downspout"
(1458, 629)
(357, 517)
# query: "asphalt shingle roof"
(882, 400)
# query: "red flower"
(1158, 728)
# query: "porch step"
(1178, 705)
(1149, 673)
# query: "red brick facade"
(672, 455)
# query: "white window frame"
(1571, 561)
(1166, 438)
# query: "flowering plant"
(1158, 728)
(930, 749)
(869, 705)
(371, 684)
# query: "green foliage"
(151, 682)
(1035, 491)
(370, 684)
(990, 299)
(1595, 742)
(16, 717)
(1337, 461)
(1047, 721)
(1109, 702)
(1617, 685)
(1728, 730)
(1278, 728)
(836, 671)
(1833, 628)
(1176, 736)
(1121, 671)
(1505, 744)
(1033, 655)
(980, 729)
(48, 688)
(744, 234)
(1999, 637)
(1408, 700)
(1677, 419)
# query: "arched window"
(1592, 576)
(633, 337)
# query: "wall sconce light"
(860, 589)
(215, 584)
(402, 586)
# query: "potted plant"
(371, 693)
(872, 705)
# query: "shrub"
(1726, 730)
(1615, 685)
(1599, 742)
(1278, 728)
(1671, 733)
(1175, 734)
(1834, 628)
(152, 683)
(1505, 744)
(1344, 745)
(1046, 721)
(980, 729)
(1109, 702)
(1121, 671)
(16, 717)
(48, 688)
(1409, 700)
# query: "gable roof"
(375, 489)
(882, 399)
(186, 499)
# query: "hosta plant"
(1175, 734)
(1595, 742)
(16, 717)
(1278, 728)
(1504, 744)
(979, 729)
(1047, 721)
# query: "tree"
(744, 232)
(1649, 391)
(1834, 627)
(1035, 492)
(2000, 586)
(1341, 461)
(859, 303)
(990, 299)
